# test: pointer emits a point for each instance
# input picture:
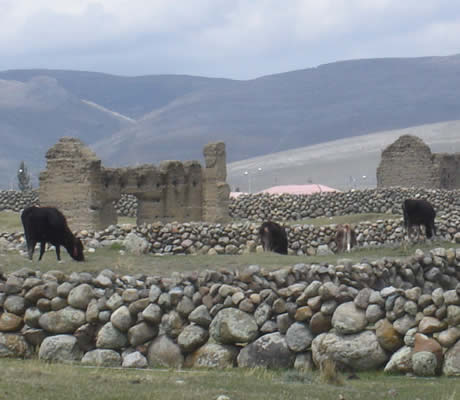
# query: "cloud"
(238, 38)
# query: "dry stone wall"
(369, 315)
(288, 207)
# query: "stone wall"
(409, 162)
(398, 315)
(77, 184)
(258, 207)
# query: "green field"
(31, 379)
(24, 379)
(150, 264)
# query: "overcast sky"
(238, 39)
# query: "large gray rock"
(401, 361)
(348, 318)
(121, 319)
(152, 314)
(61, 348)
(231, 325)
(102, 358)
(424, 363)
(200, 316)
(80, 296)
(270, 351)
(298, 337)
(141, 333)
(136, 244)
(213, 355)
(163, 352)
(134, 360)
(14, 345)
(192, 337)
(360, 351)
(14, 304)
(451, 365)
(66, 320)
(110, 337)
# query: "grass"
(24, 379)
(150, 264)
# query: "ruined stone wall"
(409, 162)
(77, 183)
(73, 183)
(216, 192)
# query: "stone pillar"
(193, 191)
(216, 192)
(73, 182)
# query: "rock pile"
(398, 315)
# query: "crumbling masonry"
(409, 162)
(76, 183)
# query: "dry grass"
(329, 373)
(166, 265)
(31, 379)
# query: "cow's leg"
(58, 251)
(30, 248)
(348, 236)
(42, 250)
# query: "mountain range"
(147, 119)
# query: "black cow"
(48, 224)
(273, 237)
(419, 212)
(345, 237)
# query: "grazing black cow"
(48, 224)
(345, 237)
(273, 237)
(419, 212)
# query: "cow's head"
(77, 251)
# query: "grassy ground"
(165, 265)
(33, 379)
(23, 379)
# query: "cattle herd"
(416, 213)
(48, 225)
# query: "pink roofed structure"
(299, 189)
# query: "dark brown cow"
(419, 212)
(345, 238)
(273, 237)
(48, 224)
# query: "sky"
(237, 39)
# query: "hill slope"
(342, 164)
(129, 120)
(295, 109)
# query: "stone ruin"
(409, 162)
(76, 183)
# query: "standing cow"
(273, 237)
(416, 213)
(345, 238)
(48, 224)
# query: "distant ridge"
(343, 164)
(146, 119)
